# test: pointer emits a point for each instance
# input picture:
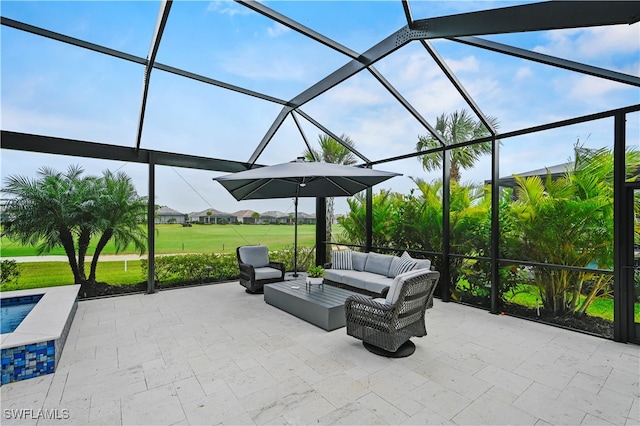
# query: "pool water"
(13, 311)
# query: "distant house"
(274, 217)
(168, 215)
(246, 216)
(306, 218)
(211, 216)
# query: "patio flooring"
(216, 355)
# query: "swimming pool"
(35, 346)
(14, 309)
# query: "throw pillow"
(403, 264)
(358, 259)
(422, 264)
(341, 259)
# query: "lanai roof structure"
(221, 87)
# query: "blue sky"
(55, 89)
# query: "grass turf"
(175, 239)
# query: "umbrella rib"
(266, 182)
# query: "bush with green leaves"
(201, 268)
(9, 272)
(193, 268)
(306, 257)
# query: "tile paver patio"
(216, 355)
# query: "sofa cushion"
(341, 259)
(398, 282)
(358, 260)
(256, 256)
(378, 263)
(362, 280)
(266, 273)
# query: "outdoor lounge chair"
(256, 269)
(386, 325)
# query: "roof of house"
(214, 213)
(168, 211)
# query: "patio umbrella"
(301, 178)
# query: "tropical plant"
(331, 151)
(67, 209)
(316, 271)
(385, 216)
(568, 221)
(455, 128)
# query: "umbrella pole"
(295, 239)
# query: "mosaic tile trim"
(37, 359)
(27, 361)
(18, 300)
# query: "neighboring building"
(211, 216)
(168, 215)
(306, 218)
(275, 217)
(245, 216)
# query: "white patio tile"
(383, 409)
(438, 398)
(351, 414)
(504, 379)
(340, 390)
(488, 411)
(542, 401)
(214, 354)
(606, 405)
(160, 405)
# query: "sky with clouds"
(55, 89)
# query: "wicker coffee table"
(320, 305)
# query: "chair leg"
(406, 349)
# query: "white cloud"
(587, 87)
(224, 7)
(466, 64)
(352, 95)
(277, 29)
(522, 74)
(590, 43)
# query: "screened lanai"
(176, 93)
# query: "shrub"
(193, 268)
(10, 271)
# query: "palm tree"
(456, 127)
(118, 213)
(331, 151)
(66, 210)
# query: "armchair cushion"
(256, 256)
(266, 273)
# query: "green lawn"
(601, 307)
(197, 239)
(51, 274)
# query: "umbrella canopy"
(301, 178)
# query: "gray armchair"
(256, 269)
(386, 325)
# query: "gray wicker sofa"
(369, 273)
